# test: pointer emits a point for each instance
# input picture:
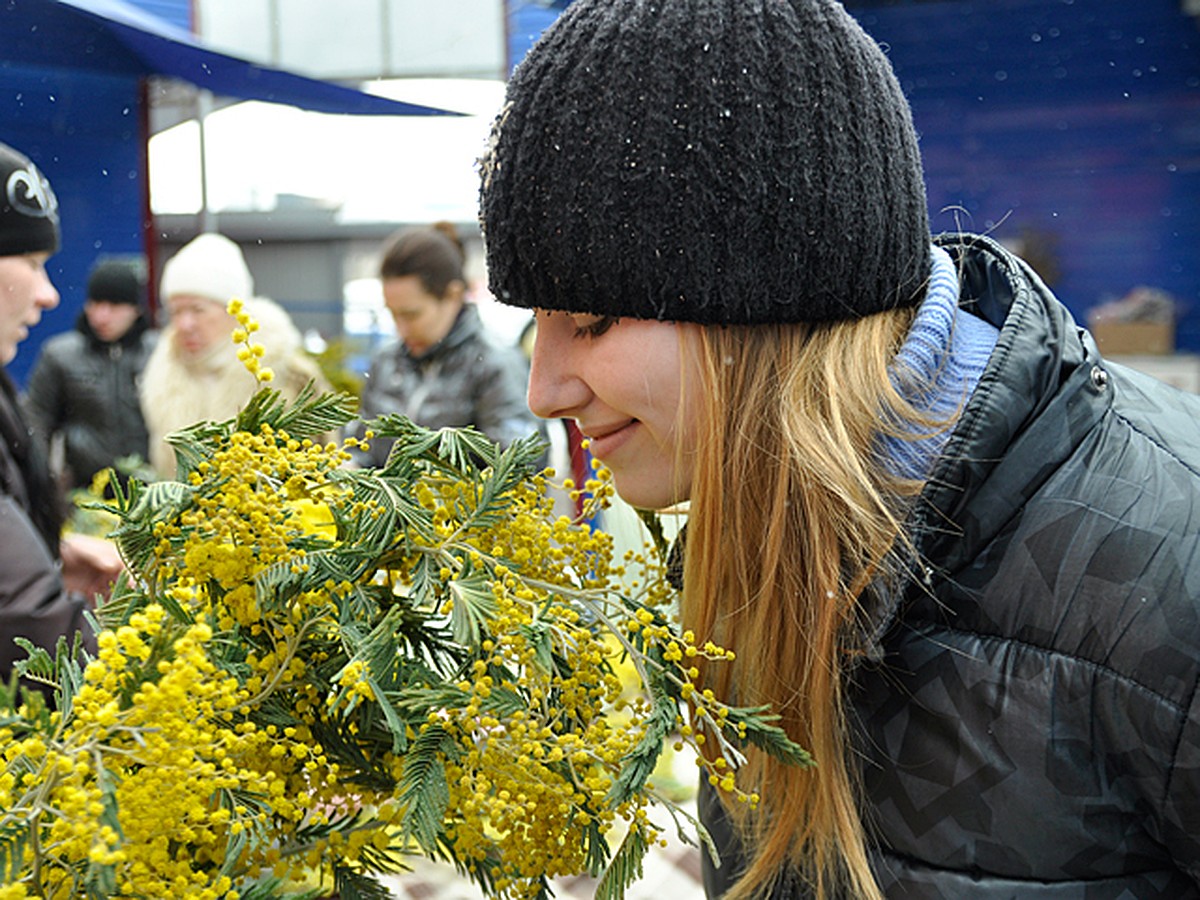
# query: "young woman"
(443, 371)
(957, 550)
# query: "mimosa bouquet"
(314, 668)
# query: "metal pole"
(204, 105)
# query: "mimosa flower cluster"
(310, 668)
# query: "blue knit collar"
(937, 368)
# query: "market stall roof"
(111, 37)
(74, 96)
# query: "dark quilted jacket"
(1029, 716)
(87, 389)
(33, 603)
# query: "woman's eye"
(593, 326)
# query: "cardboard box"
(1181, 370)
(1138, 338)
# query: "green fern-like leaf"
(767, 736)
(249, 811)
(460, 447)
(264, 407)
(356, 767)
(277, 585)
(390, 860)
(379, 653)
(14, 837)
(392, 511)
(626, 866)
(452, 450)
(539, 638)
(61, 671)
(194, 445)
(162, 501)
(474, 604)
(638, 765)
(352, 885)
(310, 415)
(424, 792)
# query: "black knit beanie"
(28, 207)
(118, 280)
(711, 161)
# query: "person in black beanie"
(84, 384)
(954, 548)
(46, 582)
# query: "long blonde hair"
(792, 516)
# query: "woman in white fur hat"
(194, 373)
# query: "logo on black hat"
(29, 193)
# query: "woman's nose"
(555, 389)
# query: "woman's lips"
(609, 441)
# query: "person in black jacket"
(85, 382)
(954, 548)
(45, 582)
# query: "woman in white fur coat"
(194, 373)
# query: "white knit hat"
(210, 266)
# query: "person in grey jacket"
(85, 382)
(443, 371)
(951, 546)
(46, 582)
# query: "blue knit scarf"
(937, 368)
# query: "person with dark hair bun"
(442, 371)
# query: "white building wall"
(359, 40)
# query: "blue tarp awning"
(73, 97)
(110, 37)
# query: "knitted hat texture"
(117, 280)
(210, 266)
(28, 207)
(712, 161)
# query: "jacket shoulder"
(64, 347)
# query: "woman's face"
(199, 323)
(422, 319)
(621, 381)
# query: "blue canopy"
(73, 97)
(111, 37)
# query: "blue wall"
(525, 20)
(82, 131)
(1076, 121)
